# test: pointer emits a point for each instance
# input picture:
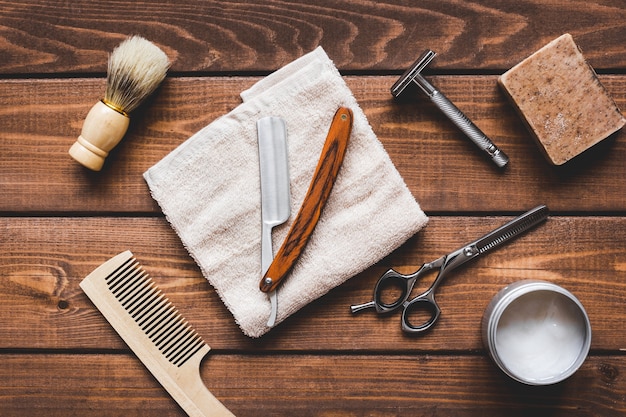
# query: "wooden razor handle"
(321, 184)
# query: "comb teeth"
(153, 313)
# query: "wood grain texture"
(317, 385)
(320, 187)
(441, 167)
(43, 259)
(58, 221)
(224, 36)
(153, 329)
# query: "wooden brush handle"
(319, 189)
(103, 128)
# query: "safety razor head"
(414, 71)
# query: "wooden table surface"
(59, 221)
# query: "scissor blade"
(512, 229)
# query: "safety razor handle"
(413, 75)
(472, 131)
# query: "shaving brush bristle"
(136, 68)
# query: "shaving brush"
(136, 68)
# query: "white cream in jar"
(536, 332)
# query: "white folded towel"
(209, 191)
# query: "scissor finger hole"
(391, 292)
(420, 315)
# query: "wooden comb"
(152, 327)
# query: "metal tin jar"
(536, 332)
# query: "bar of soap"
(559, 96)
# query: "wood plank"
(445, 172)
(75, 37)
(42, 261)
(59, 221)
(305, 385)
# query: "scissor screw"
(469, 251)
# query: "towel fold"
(209, 191)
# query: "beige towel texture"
(209, 191)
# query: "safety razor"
(413, 75)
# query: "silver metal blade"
(275, 194)
(512, 229)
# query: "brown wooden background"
(59, 357)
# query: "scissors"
(392, 282)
